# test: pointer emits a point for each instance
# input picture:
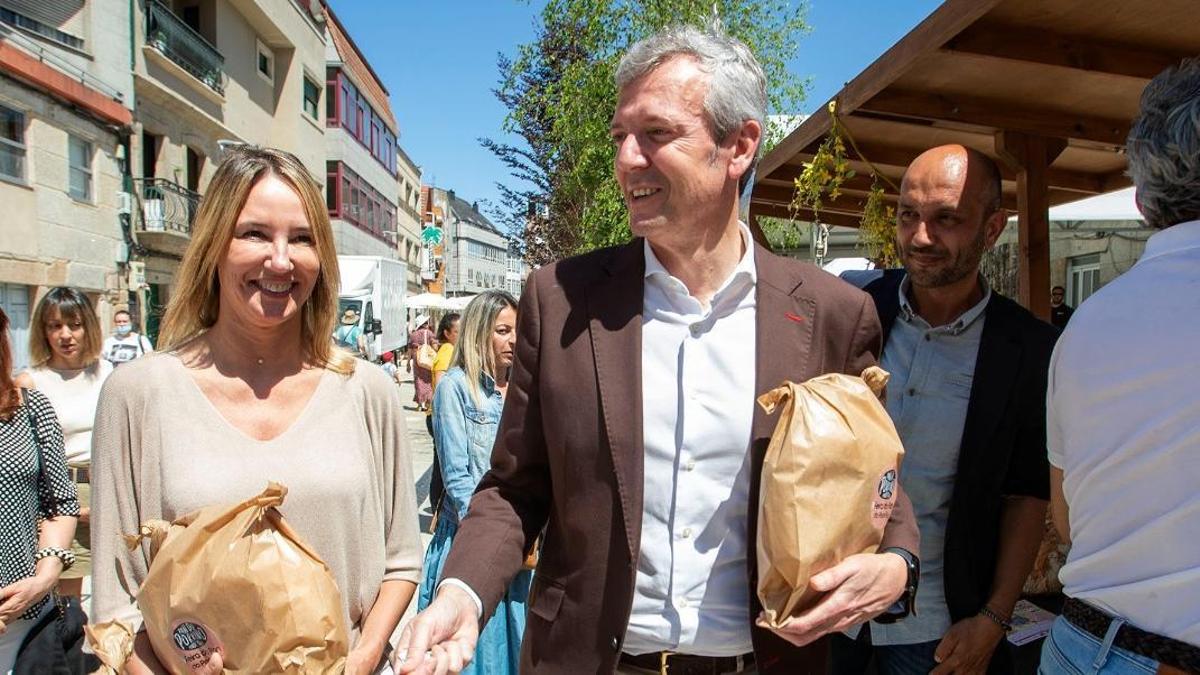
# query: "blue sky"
(438, 61)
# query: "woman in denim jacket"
(466, 413)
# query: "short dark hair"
(122, 311)
(1058, 289)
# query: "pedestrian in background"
(125, 344)
(38, 506)
(64, 346)
(422, 369)
(248, 388)
(467, 406)
(1060, 311)
(1123, 422)
(447, 335)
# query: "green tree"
(560, 96)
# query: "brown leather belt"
(688, 664)
(1165, 650)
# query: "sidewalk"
(420, 450)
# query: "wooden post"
(1030, 157)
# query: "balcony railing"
(184, 46)
(165, 206)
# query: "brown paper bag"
(828, 484)
(238, 580)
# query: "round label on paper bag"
(195, 642)
(884, 499)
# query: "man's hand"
(857, 589)
(442, 638)
(967, 647)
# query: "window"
(349, 105)
(79, 157)
(1083, 278)
(12, 144)
(42, 29)
(264, 62)
(331, 188)
(312, 98)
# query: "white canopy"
(459, 303)
(1119, 205)
(426, 301)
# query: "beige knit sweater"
(161, 450)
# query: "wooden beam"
(760, 209)
(1030, 156)
(998, 115)
(1034, 45)
(944, 23)
(897, 159)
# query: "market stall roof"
(1047, 87)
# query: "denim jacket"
(464, 433)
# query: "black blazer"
(1003, 449)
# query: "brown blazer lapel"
(615, 313)
(783, 334)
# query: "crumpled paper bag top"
(829, 481)
(236, 579)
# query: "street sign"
(431, 236)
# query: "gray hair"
(1164, 147)
(737, 88)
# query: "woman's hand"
(20, 595)
(363, 658)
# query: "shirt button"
(695, 328)
(912, 392)
(687, 532)
(681, 603)
(928, 337)
(616, 644)
(690, 466)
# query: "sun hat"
(350, 317)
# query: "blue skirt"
(499, 648)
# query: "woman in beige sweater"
(248, 388)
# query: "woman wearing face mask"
(466, 413)
(64, 345)
(124, 345)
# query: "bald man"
(967, 394)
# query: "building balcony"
(165, 211)
(168, 35)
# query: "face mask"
(125, 330)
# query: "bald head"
(949, 215)
(976, 174)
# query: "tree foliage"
(560, 96)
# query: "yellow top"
(441, 363)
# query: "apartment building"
(65, 97)
(209, 74)
(408, 218)
(360, 150)
(476, 253)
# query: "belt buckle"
(662, 662)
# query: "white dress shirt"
(1123, 423)
(691, 594)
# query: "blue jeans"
(851, 657)
(1071, 650)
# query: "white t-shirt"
(1123, 423)
(74, 394)
(118, 350)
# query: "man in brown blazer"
(630, 431)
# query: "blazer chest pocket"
(546, 598)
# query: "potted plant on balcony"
(157, 39)
(212, 78)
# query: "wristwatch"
(907, 604)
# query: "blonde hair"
(473, 353)
(71, 305)
(194, 307)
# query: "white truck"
(374, 287)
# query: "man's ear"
(994, 226)
(745, 147)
